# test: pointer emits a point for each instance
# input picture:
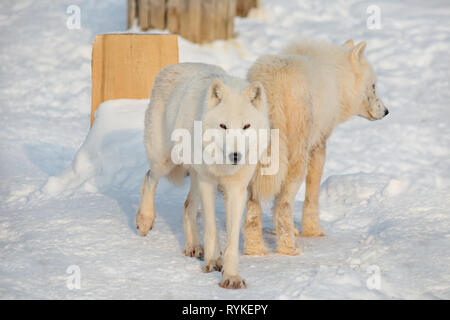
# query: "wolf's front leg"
(283, 210)
(310, 217)
(234, 206)
(193, 247)
(145, 216)
(254, 242)
(213, 260)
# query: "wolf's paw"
(232, 282)
(213, 265)
(296, 232)
(194, 251)
(311, 225)
(258, 250)
(289, 250)
(312, 234)
(144, 223)
(312, 231)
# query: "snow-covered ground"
(67, 200)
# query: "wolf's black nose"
(386, 112)
(235, 157)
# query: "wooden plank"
(158, 14)
(225, 13)
(124, 65)
(144, 13)
(173, 16)
(208, 20)
(195, 21)
(231, 14)
(132, 10)
(183, 15)
(220, 12)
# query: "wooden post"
(173, 16)
(194, 14)
(198, 21)
(225, 13)
(143, 14)
(231, 14)
(124, 65)
(208, 19)
(132, 11)
(183, 18)
(243, 7)
(158, 14)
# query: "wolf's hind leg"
(254, 242)
(193, 247)
(310, 216)
(145, 216)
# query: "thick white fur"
(311, 88)
(182, 94)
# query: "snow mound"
(343, 191)
(113, 155)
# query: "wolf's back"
(170, 87)
(173, 75)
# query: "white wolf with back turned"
(188, 92)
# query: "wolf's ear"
(216, 92)
(348, 44)
(256, 95)
(358, 52)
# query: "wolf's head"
(368, 104)
(232, 112)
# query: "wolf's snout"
(235, 157)
(386, 112)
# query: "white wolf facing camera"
(183, 94)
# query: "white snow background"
(70, 200)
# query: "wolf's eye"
(223, 126)
(246, 126)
